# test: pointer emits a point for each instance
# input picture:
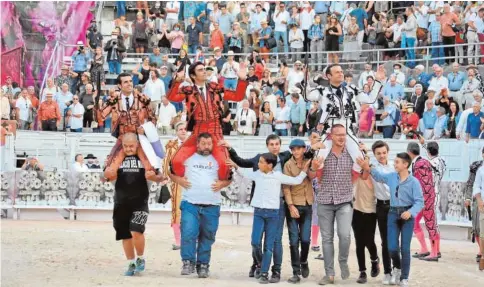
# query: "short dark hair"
(348, 75)
(75, 158)
(271, 138)
(413, 148)
(295, 95)
(282, 99)
(379, 144)
(328, 69)
(370, 77)
(269, 158)
(405, 157)
(433, 148)
(255, 91)
(203, 136)
(481, 10)
(154, 65)
(191, 69)
(122, 75)
(337, 126)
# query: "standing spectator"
(229, 71)
(447, 21)
(172, 8)
(94, 38)
(115, 48)
(195, 36)
(80, 59)
(295, 76)
(176, 37)
(226, 117)
(200, 13)
(332, 32)
(396, 28)
(49, 114)
(245, 120)
(124, 29)
(471, 84)
(366, 121)
(297, 116)
(364, 75)
(215, 13)
(264, 34)
(225, 20)
(50, 88)
(97, 67)
(266, 117)
(155, 57)
(296, 40)
(8, 87)
(393, 89)
(85, 80)
(316, 46)
(362, 21)
(428, 120)
(140, 38)
(23, 107)
(421, 12)
(282, 118)
(5, 105)
(474, 122)
(64, 99)
(77, 115)
(418, 99)
(256, 23)
(439, 82)
(321, 8)
(87, 99)
(281, 18)
(216, 37)
(388, 118)
(410, 29)
(456, 80)
(219, 59)
(65, 77)
(235, 40)
(166, 115)
(294, 18)
(453, 117)
(268, 96)
(479, 22)
(350, 43)
(435, 37)
(155, 90)
(266, 79)
(307, 16)
(243, 19)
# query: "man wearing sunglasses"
(77, 115)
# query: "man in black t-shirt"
(130, 211)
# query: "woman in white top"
(350, 44)
(266, 116)
(296, 42)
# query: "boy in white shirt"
(266, 202)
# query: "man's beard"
(204, 152)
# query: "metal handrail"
(47, 74)
(100, 6)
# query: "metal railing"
(49, 69)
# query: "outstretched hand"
(317, 163)
(224, 143)
(231, 164)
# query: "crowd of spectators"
(412, 101)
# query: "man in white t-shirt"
(166, 114)
(282, 118)
(77, 115)
(200, 207)
(229, 72)
(280, 17)
(23, 107)
(154, 89)
(295, 75)
(172, 8)
(245, 120)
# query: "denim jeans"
(410, 43)
(403, 229)
(283, 35)
(192, 49)
(281, 133)
(388, 132)
(79, 130)
(178, 106)
(114, 67)
(299, 231)
(277, 253)
(230, 84)
(265, 224)
(198, 224)
(121, 8)
(437, 53)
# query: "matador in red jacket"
(204, 113)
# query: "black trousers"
(449, 51)
(382, 209)
(49, 125)
(364, 227)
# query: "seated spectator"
(49, 114)
(409, 122)
(440, 124)
(393, 89)
(177, 37)
(427, 123)
(439, 81)
(397, 71)
(23, 107)
(282, 117)
(79, 165)
(474, 122)
(155, 57)
(381, 74)
(155, 90)
(50, 88)
(229, 71)
(420, 76)
(183, 58)
(245, 120)
(64, 99)
(199, 55)
(364, 75)
(366, 121)
(77, 115)
(166, 115)
(456, 80)
(388, 118)
(462, 124)
(216, 37)
(471, 84)
(219, 59)
(365, 97)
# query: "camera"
(243, 123)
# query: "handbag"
(164, 195)
(270, 43)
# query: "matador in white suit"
(339, 106)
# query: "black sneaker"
(275, 278)
(305, 270)
(362, 279)
(264, 278)
(257, 273)
(203, 271)
(252, 271)
(478, 258)
(187, 268)
(294, 279)
(375, 268)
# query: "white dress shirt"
(172, 5)
(268, 186)
(278, 18)
(23, 104)
(130, 99)
(80, 167)
(154, 89)
(166, 114)
(478, 187)
(438, 84)
(307, 19)
(76, 109)
(282, 114)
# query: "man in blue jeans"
(195, 36)
(389, 118)
(406, 201)
(410, 30)
(200, 207)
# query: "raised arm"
(242, 162)
(291, 180)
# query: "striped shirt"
(435, 32)
(315, 31)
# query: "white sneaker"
(404, 283)
(386, 279)
(395, 280)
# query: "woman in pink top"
(366, 122)
(176, 37)
(447, 20)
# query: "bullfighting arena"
(80, 253)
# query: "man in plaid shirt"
(334, 197)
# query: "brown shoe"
(481, 264)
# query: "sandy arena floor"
(67, 253)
